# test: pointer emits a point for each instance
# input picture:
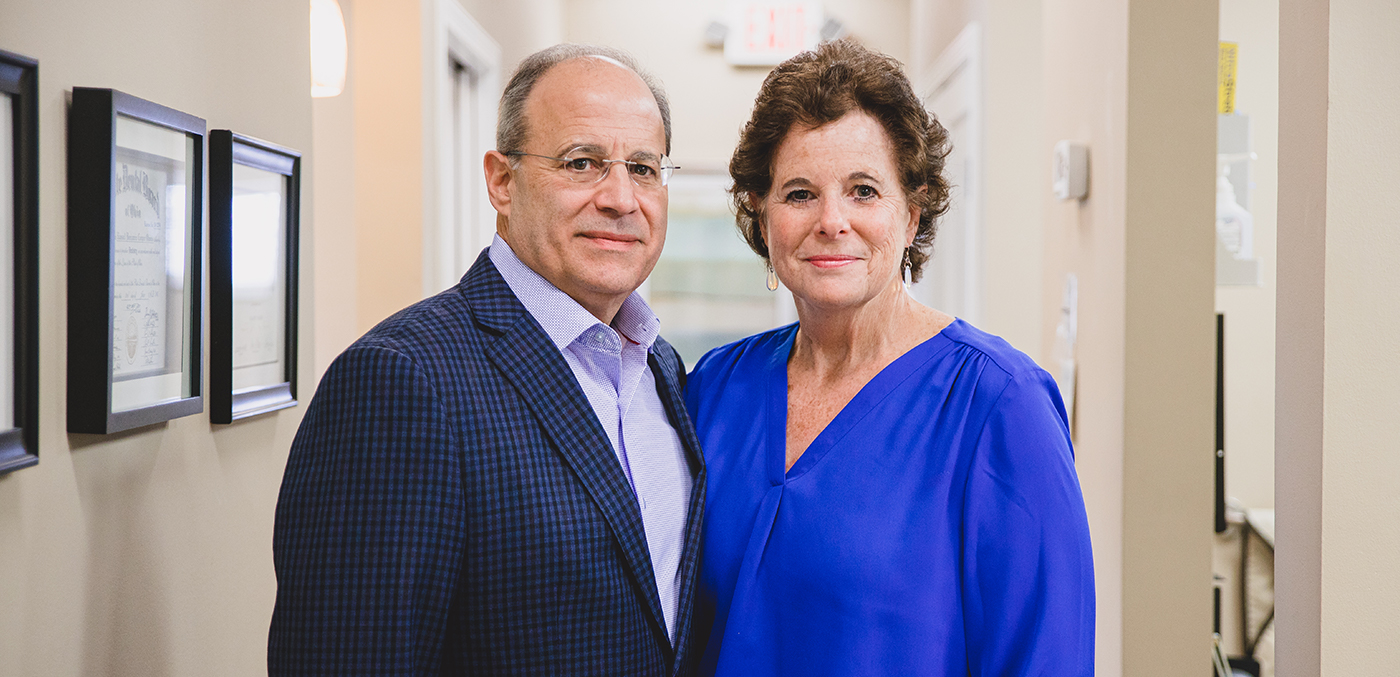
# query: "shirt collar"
(561, 317)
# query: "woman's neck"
(833, 342)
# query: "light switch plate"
(1069, 172)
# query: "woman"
(891, 491)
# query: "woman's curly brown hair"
(820, 87)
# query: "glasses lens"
(582, 167)
(666, 170)
(646, 173)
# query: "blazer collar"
(527, 358)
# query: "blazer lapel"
(534, 366)
(667, 371)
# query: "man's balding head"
(512, 123)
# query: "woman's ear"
(500, 181)
(915, 211)
(756, 208)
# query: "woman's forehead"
(855, 143)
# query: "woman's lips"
(830, 260)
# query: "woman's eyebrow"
(795, 181)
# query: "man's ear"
(500, 181)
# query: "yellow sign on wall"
(1229, 59)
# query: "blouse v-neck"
(866, 400)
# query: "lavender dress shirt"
(610, 363)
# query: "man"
(502, 479)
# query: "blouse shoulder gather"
(1018, 388)
(1016, 364)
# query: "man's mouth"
(610, 240)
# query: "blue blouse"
(934, 527)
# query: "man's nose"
(615, 191)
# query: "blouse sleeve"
(1028, 579)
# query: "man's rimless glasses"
(582, 166)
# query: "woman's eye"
(799, 195)
(865, 193)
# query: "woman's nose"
(832, 219)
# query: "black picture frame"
(19, 79)
(99, 400)
(230, 400)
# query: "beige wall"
(1337, 320)
(1085, 85)
(335, 286)
(1016, 173)
(1360, 511)
(1300, 347)
(1169, 338)
(148, 552)
(386, 38)
(1249, 311)
(1135, 81)
(936, 23)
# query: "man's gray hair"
(510, 122)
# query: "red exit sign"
(766, 33)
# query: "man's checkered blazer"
(452, 506)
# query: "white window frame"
(451, 35)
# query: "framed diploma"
(19, 262)
(135, 188)
(254, 205)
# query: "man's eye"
(641, 169)
(580, 164)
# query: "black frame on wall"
(227, 149)
(19, 77)
(92, 224)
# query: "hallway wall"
(1338, 518)
(1135, 81)
(1360, 512)
(148, 553)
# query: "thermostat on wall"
(1069, 173)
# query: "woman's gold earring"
(772, 279)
